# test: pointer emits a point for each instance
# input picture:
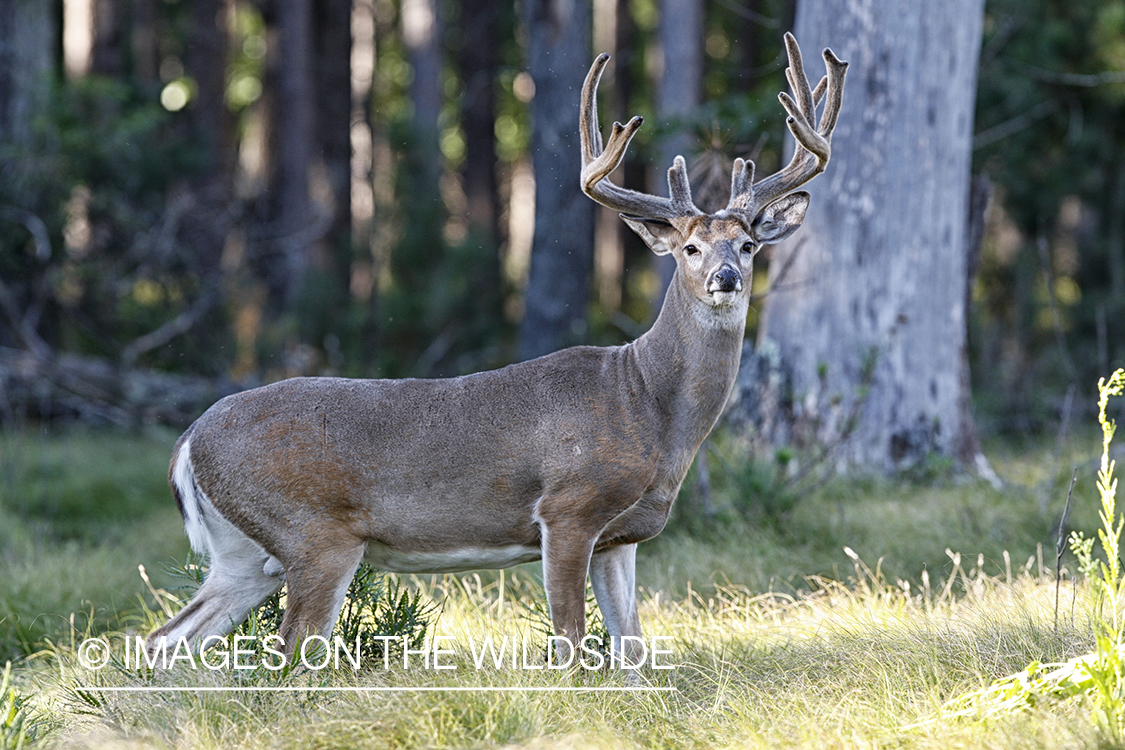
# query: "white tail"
(572, 458)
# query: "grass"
(78, 513)
(781, 637)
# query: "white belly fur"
(449, 561)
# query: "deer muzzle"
(726, 279)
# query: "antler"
(598, 163)
(813, 141)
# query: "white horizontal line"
(364, 689)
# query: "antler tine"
(810, 157)
(599, 163)
(741, 185)
(591, 135)
(795, 74)
(834, 83)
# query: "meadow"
(845, 614)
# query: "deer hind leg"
(613, 576)
(316, 584)
(242, 575)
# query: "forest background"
(201, 196)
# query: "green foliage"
(1105, 674)
(1049, 85)
(20, 724)
(374, 607)
(98, 174)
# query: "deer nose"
(726, 279)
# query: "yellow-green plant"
(1106, 687)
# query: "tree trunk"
(293, 136)
(332, 72)
(873, 327)
(479, 61)
(107, 54)
(677, 98)
(421, 24)
(562, 248)
(27, 57)
(212, 125)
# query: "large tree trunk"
(562, 249)
(421, 27)
(872, 328)
(212, 125)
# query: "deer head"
(714, 252)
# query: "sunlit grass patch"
(851, 663)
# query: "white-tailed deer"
(572, 458)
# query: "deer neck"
(689, 362)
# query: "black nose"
(726, 280)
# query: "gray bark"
(332, 73)
(562, 247)
(872, 328)
(479, 61)
(421, 22)
(677, 98)
(27, 55)
(293, 127)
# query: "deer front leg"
(566, 561)
(613, 575)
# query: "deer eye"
(748, 247)
(691, 249)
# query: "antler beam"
(599, 163)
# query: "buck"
(572, 458)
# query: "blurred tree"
(479, 65)
(332, 60)
(874, 333)
(211, 127)
(558, 283)
(678, 96)
(27, 55)
(293, 230)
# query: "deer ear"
(781, 218)
(658, 234)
